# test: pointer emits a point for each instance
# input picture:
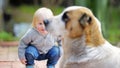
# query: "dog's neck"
(74, 46)
(77, 48)
(79, 45)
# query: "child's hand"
(23, 61)
(59, 40)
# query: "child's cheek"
(38, 27)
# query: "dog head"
(77, 21)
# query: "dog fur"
(84, 45)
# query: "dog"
(84, 45)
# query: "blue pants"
(53, 55)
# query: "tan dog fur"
(84, 45)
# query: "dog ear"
(65, 17)
(85, 19)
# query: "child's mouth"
(43, 30)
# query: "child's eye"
(40, 23)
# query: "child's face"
(40, 26)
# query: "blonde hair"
(41, 13)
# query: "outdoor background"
(16, 15)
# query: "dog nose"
(46, 22)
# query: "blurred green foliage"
(24, 13)
(57, 10)
(113, 25)
(4, 36)
(30, 9)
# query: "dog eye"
(65, 17)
